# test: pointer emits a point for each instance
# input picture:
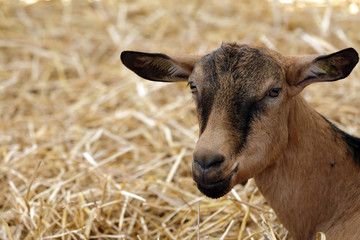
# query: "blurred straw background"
(88, 150)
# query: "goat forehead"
(238, 67)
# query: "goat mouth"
(219, 188)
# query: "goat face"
(242, 94)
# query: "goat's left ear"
(304, 70)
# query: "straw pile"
(90, 151)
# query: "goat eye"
(274, 92)
(192, 87)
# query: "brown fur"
(301, 163)
(305, 191)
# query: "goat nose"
(206, 161)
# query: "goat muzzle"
(209, 173)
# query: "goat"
(253, 123)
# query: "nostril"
(214, 161)
(209, 161)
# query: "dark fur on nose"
(208, 161)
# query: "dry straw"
(90, 151)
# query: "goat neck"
(310, 186)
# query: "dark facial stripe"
(204, 109)
(205, 105)
(242, 117)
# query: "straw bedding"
(90, 151)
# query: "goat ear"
(304, 70)
(159, 67)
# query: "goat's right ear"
(159, 67)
